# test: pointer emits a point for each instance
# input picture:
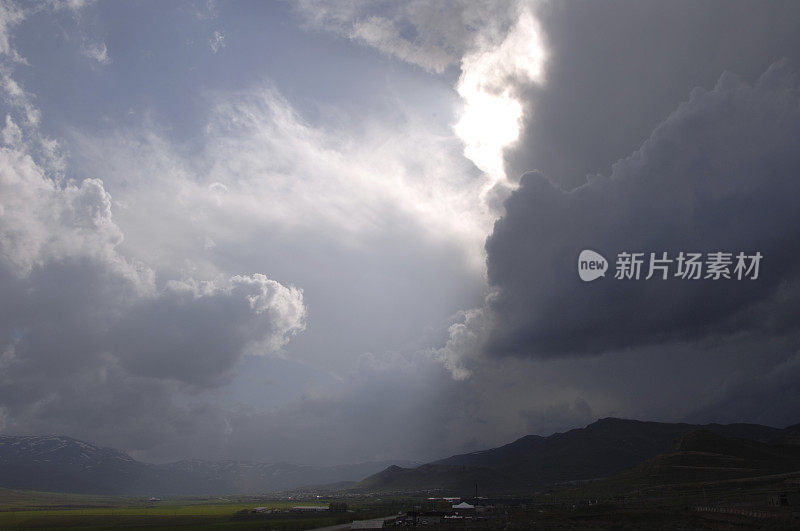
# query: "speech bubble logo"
(591, 265)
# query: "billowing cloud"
(720, 174)
(617, 69)
(498, 47)
(195, 332)
(490, 72)
(81, 322)
(53, 235)
(262, 161)
(127, 287)
(44, 220)
(430, 35)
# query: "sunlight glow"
(492, 114)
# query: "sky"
(335, 232)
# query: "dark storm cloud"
(770, 396)
(616, 69)
(82, 349)
(177, 336)
(196, 333)
(719, 172)
(722, 173)
(57, 374)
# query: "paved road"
(332, 527)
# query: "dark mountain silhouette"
(602, 449)
(62, 464)
(704, 456)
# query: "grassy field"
(196, 516)
(618, 504)
(39, 510)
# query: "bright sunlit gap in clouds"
(490, 121)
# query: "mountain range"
(704, 456)
(602, 449)
(636, 451)
(63, 464)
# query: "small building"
(309, 508)
(464, 509)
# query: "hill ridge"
(603, 448)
